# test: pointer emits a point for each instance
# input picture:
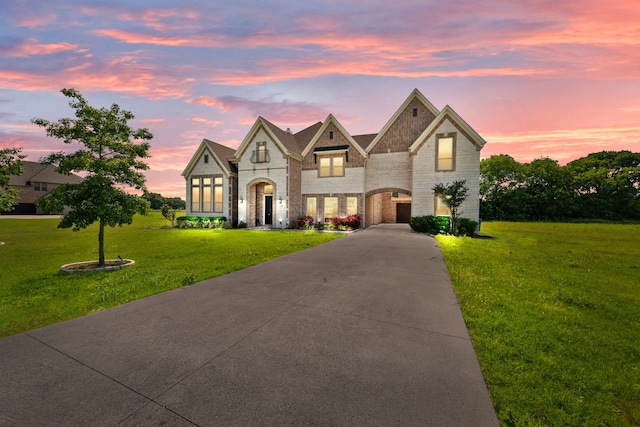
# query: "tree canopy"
(10, 164)
(603, 185)
(110, 160)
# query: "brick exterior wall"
(405, 130)
(356, 160)
(294, 198)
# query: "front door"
(403, 213)
(268, 210)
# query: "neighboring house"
(37, 180)
(324, 172)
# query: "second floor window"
(331, 166)
(260, 154)
(445, 153)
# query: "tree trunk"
(101, 244)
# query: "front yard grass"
(554, 314)
(34, 293)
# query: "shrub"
(466, 227)
(349, 222)
(429, 224)
(190, 221)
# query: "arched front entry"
(261, 208)
(388, 205)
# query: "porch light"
(280, 199)
(241, 199)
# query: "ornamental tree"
(109, 160)
(10, 164)
(452, 195)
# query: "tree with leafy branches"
(109, 162)
(452, 195)
(10, 164)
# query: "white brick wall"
(274, 170)
(212, 168)
(351, 182)
(425, 177)
(388, 170)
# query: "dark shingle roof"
(37, 172)
(225, 154)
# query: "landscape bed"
(552, 310)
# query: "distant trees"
(156, 201)
(604, 185)
(10, 164)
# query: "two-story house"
(323, 171)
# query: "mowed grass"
(554, 314)
(34, 293)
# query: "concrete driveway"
(364, 330)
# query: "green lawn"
(34, 293)
(554, 314)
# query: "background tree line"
(156, 201)
(604, 185)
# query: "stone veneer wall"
(425, 177)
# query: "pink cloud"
(563, 145)
(123, 74)
(32, 46)
(212, 123)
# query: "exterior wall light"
(280, 199)
(241, 199)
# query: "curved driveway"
(364, 330)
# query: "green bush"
(467, 227)
(190, 221)
(429, 224)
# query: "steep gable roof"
(448, 113)
(222, 156)
(305, 135)
(285, 141)
(332, 120)
(415, 94)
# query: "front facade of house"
(324, 172)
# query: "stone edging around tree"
(89, 266)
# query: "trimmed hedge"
(190, 221)
(430, 224)
(467, 227)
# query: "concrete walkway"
(364, 330)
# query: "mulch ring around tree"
(88, 266)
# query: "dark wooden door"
(268, 209)
(403, 213)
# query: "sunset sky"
(535, 78)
